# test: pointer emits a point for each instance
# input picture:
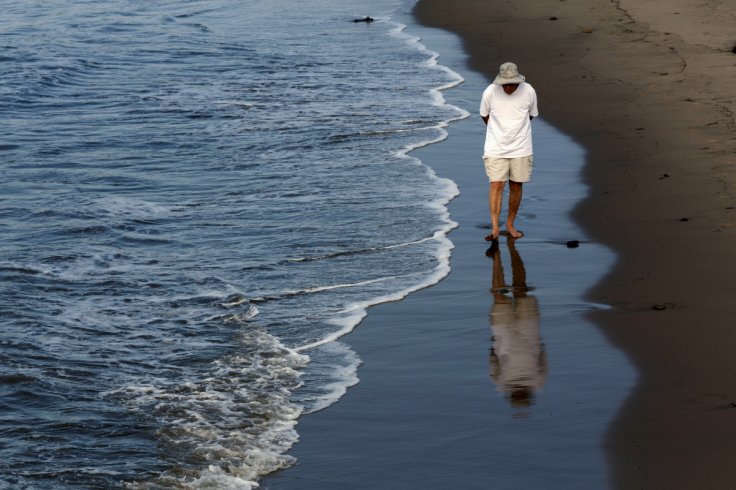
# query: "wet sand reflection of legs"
(517, 358)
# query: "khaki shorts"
(501, 169)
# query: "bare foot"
(513, 232)
(493, 236)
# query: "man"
(507, 107)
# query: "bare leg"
(515, 193)
(495, 194)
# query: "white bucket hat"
(508, 73)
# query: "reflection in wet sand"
(518, 361)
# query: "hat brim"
(506, 81)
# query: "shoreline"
(648, 92)
(432, 408)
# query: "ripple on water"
(187, 207)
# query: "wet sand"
(495, 377)
(648, 89)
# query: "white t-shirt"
(509, 131)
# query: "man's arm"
(485, 105)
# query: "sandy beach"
(647, 88)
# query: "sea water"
(197, 199)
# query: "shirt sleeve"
(485, 103)
(533, 110)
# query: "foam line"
(319, 289)
(354, 314)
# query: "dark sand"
(427, 413)
(648, 88)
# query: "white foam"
(241, 317)
(353, 314)
(237, 301)
(235, 414)
(319, 289)
(333, 370)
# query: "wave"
(353, 314)
(202, 417)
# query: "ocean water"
(197, 199)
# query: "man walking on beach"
(507, 107)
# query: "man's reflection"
(518, 362)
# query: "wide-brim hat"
(508, 73)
